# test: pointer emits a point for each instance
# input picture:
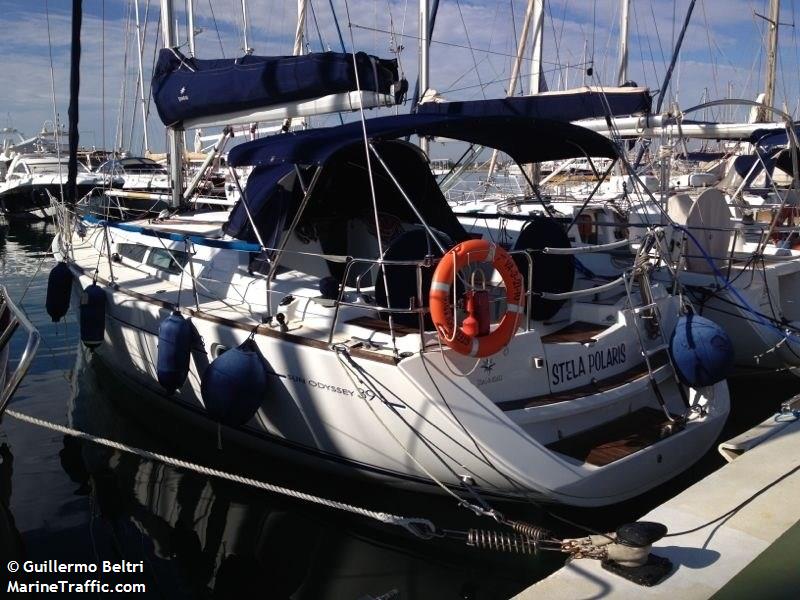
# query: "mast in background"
(142, 100)
(297, 49)
(537, 79)
(772, 60)
(536, 82)
(190, 25)
(175, 135)
(424, 58)
(247, 49)
(622, 72)
(515, 69)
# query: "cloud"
(471, 55)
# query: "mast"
(622, 71)
(515, 69)
(142, 100)
(536, 56)
(523, 40)
(432, 12)
(772, 60)
(175, 135)
(424, 59)
(297, 49)
(74, 92)
(247, 48)
(189, 26)
(537, 81)
(585, 58)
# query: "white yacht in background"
(33, 180)
(134, 173)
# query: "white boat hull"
(316, 411)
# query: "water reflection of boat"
(10, 540)
(214, 539)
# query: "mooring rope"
(422, 528)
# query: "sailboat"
(342, 318)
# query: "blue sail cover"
(559, 106)
(190, 88)
(771, 138)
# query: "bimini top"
(524, 139)
(569, 105)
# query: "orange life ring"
(442, 313)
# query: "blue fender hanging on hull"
(59, 289)
(701, 351)
(235, 384)
(93, 316)
(174, 351)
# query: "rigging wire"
(119, 134)
(56, 137)
(641, 47)
(557, 39)
(451, 44)
(338, 28)
(368, 154)
(216, 27)
(638, 36)
(714, 73)
(516, 37)
(322, 44)
(141, 58)
(658, 37)
(615, 19)
(491, 40)
(471, 49)
(153, 68)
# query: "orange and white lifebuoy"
(442, 313)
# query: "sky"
(471, 54)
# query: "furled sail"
(570, 105)
(191, 92)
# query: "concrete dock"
(753, 553)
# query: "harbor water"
(185, 535)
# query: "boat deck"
(617, 439)
(579, 331)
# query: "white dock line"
(422, 528)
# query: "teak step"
(617, 439)
(579, 331)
